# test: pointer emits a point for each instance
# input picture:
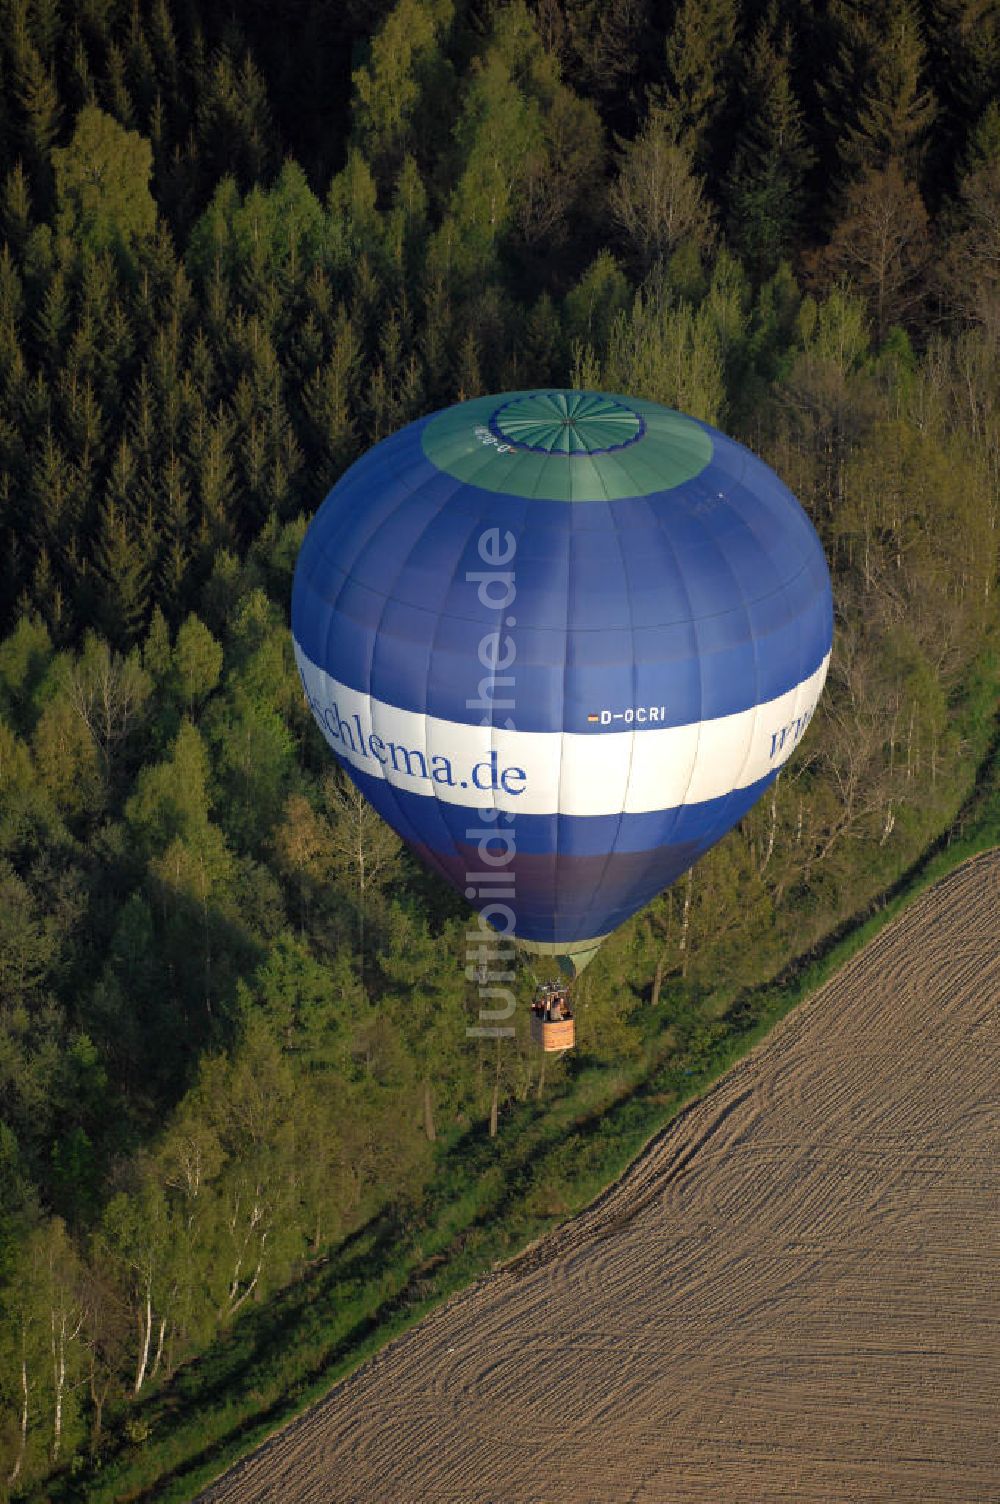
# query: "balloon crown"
(567, 423)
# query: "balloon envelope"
(562, 641)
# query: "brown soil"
(794, 1294)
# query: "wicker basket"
(553, 1036)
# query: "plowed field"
(793, 1295)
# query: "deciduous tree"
(657, 198)
(102, 183)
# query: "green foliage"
(591, 306)
(279, 230)
(399, 91)
(669, 352)
(354, 219)
(24, 658)
(197, 663)
(241, 1114)
(496, 135)
(171, 797)
(102, 183)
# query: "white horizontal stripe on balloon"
(541, 772)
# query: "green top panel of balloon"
(618, 447)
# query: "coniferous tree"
(876, 97)
(141, 70)
(83, 423)
(173, 518)
(13, 370)
(234, 121)
(11, 291)
(54, 497)
(701, 56)
(603, 46)
(50, 325)
(435, 340)
(116, 90)
(121, 560)
(215, 482)
(157, 650)
(15, 209)
(406, 224)
(46, 25)
(969, 275)
(38, 99)
(142, 430)
(767, 175)
(330, 399)
(963, 59)
(163, 46)
(355, 222)
(897, 108)
(468, 377)
(82, 87)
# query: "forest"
(238, 248)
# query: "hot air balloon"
(562, 641)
